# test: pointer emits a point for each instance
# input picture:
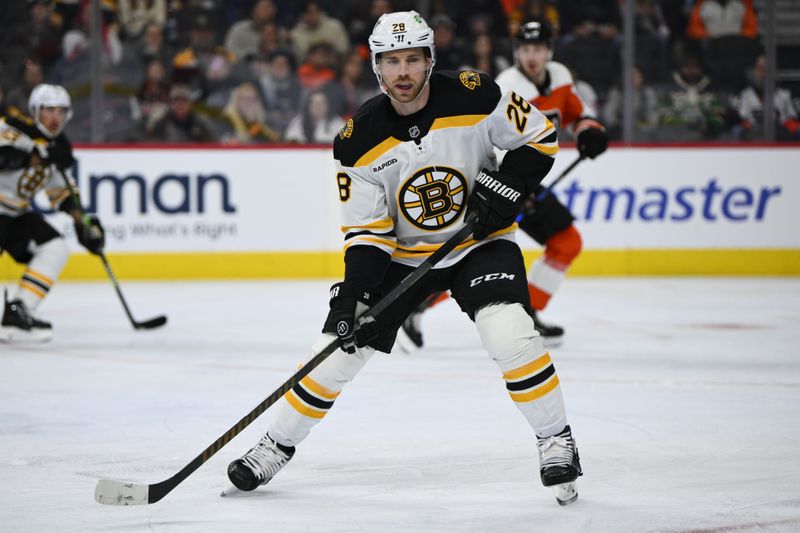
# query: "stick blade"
(110, 492)
(153, 323)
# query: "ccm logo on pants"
(491, 277)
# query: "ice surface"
(683, 394)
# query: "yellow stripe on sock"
(32, 288)
(318, 389)
(301, 408)
(39, 277)
(528, 368)
(536, 393)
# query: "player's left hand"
(592, 141)
(495, 200)
(348, 303)
(91, 234)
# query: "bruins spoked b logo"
(433, 197)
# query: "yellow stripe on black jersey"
(377, 128)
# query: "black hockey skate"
(19, 325)
(560, 465)
(409, 337)
(260, 464)
(552, 335)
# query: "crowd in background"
(270, 71)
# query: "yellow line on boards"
(310, 265)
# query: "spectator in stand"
(361, 22)
(717, 18)
(484, 59)
(244, 37)
(151, 45)
(153, 93)
(645, 110)
(315, 27)
(352, 88)
(136, 15)
(463, 12)
(750, 102)
(316, 124)
(32, 75)
(449, 52)
(319, 67)
(590, 43)
(280, 89)
(247, 118)
(179, 124)
(271, 38)
(76, 41)
(189, 66)
(652, 37)
(38, 38)
(689, 110)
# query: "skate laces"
(265, 459)
(557, 450)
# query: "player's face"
(53, 118)
(404, 73)
(532, 57)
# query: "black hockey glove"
(592, 141)
(91, 234)
(347, 304)
(496, 201)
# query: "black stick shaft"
(159, 490)
(560, 177)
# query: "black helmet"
(534, 31)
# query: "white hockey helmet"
(400, 31)
(46, 95)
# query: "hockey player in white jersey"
(34, 152)
(410, 164)
(548, 85)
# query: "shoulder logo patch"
(470, 79)
(347, 130)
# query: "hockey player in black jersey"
(34, 155)
(410, 165)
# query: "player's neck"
(409, 108)
(538, 79)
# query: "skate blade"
(565, 493)
(227, 491)
(11, 335)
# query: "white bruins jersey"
(404, 181)
(19, 183)
(559, 101)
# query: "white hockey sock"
(307, 403)
(544, 280)
(508, 335)
(47, 263)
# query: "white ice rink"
(683, 394)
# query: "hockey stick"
(560, 177)
(530, 200)
(154, 322)
(112, 492)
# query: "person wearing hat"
(180, 123)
